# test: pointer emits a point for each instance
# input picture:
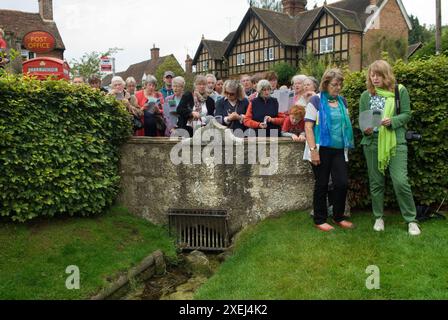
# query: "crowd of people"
(318, 116)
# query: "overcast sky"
(175, 26)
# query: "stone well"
(155, 177)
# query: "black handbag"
(410, 135)
(137, 123)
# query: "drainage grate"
(199, 229)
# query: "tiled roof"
(413, 48)
(137, 70)
(20, 23)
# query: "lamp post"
(438, 27)
(111, 52)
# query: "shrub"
(426, 81)
(58, 148)
(285, 73)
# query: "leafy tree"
(285, 72)
(89, 64)
(315, 66)
(419, 33)
(170, 64)
(430, 48)
(275, 5)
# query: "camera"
(413, 136)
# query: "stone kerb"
(251, 178)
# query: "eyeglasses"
(336, 85)
(230, 93)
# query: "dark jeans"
(332, 161)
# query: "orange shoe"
(344, 224)
(324, 227)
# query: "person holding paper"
(263, 112)
(194, 107)
(171, 104)
(329, 135)
(385, 146)
(232, 108)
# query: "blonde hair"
(383, 69)
(330, 75)
(200, 79)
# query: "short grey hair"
(314, 81)
(263, 84)
(200, 79)
(2, 32)
(297, 78)
(117, 79)
(150, 79)
(211, 76)
(179, 81)
(131, 80)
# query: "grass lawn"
(35, 255)
(287, 258)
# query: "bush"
(58, 148)
(426, 81)
(285, 73)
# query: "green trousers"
(399, 173)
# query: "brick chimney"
(189, 65)
(46, 9)
(294, 7)
(155, 53)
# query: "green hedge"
(58, 148)
(427, 82)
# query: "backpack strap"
(397, 99)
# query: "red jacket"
(141, 100)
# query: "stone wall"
(151, 183)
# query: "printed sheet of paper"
(370, 119)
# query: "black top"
(186, 107)
(224, 108)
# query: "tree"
(285, 73)
(88, 65)
(170, 64)
(275, 5)
(419, 33)
(315, 66)
(430, 48)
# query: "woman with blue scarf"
(329, 135)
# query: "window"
(240, 59)
(326, 45)
(205, 65)
(268, 54)
(27, 54)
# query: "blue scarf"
(322, 130)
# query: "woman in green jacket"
(385, 146)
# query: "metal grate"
(199, 229)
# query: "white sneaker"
(379, 225)
(414, 230)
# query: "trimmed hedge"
(427, 82)
(58, 148)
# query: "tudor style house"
(17, 24)
(209, 57)
(349, 31)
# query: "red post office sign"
(39, 41)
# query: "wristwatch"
(313, 149)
